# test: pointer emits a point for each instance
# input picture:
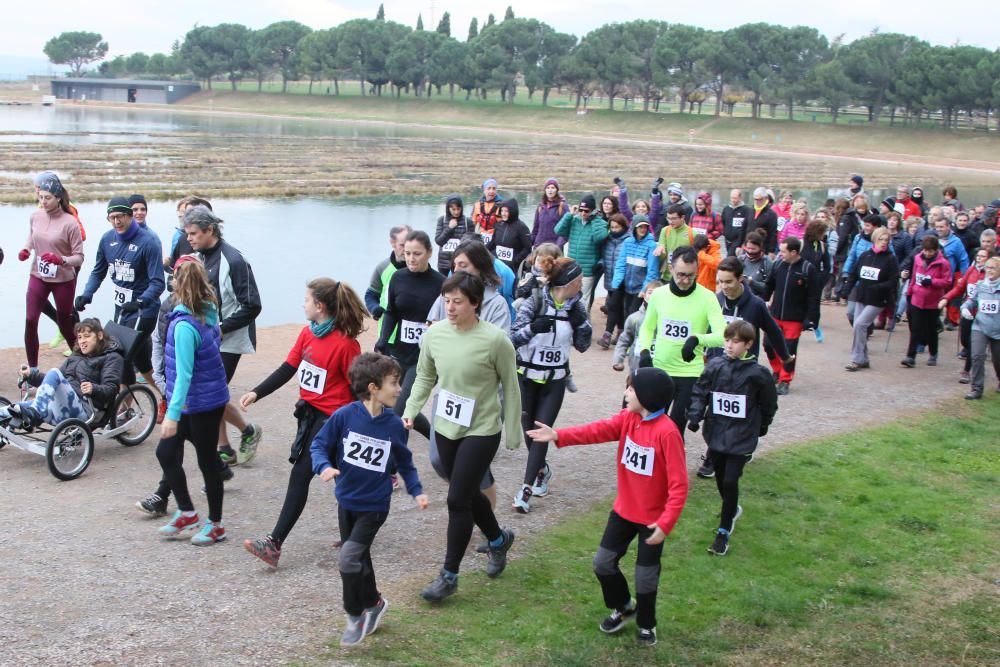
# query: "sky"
(153, 25)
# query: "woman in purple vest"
(197, 394)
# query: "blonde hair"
(799, 207)
(193, 290)
(878, 233)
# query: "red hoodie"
(652, 470)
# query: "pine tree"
(473, 29)
(381, 13)
(490, 21)
(510, 13)
(444, 27)
(420, 22)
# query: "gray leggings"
(980, 341)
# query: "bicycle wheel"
(3, 403)
(135, 406)
(70, 449)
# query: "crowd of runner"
(491, 324)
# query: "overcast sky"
(153, 25)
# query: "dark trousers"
(923, 330)
(615, 305)
(466, 461)
(630, 304)
(202, 429)
(728, 470)
(358, 530)
(539, 402)
(300, 477)
(682, 401)
(618, 535)
(965, 336)
(420, 423)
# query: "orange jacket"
(708, 264)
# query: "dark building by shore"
(123, 90)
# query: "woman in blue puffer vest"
(197, 394)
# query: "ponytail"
(342, 304)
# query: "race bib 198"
(312, 378)
(450, 245)
(122, 296)
(46, 269)
(454, 408)
(729, 405)
(638, 459)
(675, 329)
(989, 307)
(869, 272)
(366, 452)
(548, 356)
(411, 332)
(505, 254)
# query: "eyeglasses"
(115, 217)
(678, 274)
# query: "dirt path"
(86, 580)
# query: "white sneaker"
(739, 513)
(521, 499)
(540, 488)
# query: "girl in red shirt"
(652, 489)
(319, 360)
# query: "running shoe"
(647, 637)
(354, 631)
(484, 545)
(227, 472)
(571, 385)
(179, 524)
(153, 504)
(974, 395)
(228, 455)
(909, 362)
(782, 389)
(618, 618)
(209, 534)
(932, 360)
(522, 500)
(540, 488)
(248, 443)
(819, 334)
(721, 544)
(444, 586)
(373, 615)
(963, 377)
(498, 555)
(57, 341)
(67, 353)
(605, 341)
(707, 469)
(265, 549)
(161, 410)
(739, 513)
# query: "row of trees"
(758, 63)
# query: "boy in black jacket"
(737, 400)
(795, 287)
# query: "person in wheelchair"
(86, 382)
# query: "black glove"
(808, 326)
(693, 427)
(619, 182)
(843, 291)
(645, 359)
(543, 324)
(378, 313)
(926, 281)
(763, 430)
(577, 318)
(656, 186)
(81, 302)
(132, 306)
(380, 346)
(687, 352)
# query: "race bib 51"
(454, 408)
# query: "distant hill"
(18, 68)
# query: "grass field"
(874, 548)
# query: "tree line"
(643, 60)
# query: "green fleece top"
(468, 365)
(586, 239)
(671, 239)
(672, 318)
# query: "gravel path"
(86, 580)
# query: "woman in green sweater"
(466, 358)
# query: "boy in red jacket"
(652, 489)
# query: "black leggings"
(615, 305)
(466, 461)
(683, 387)
(965, 336)
(539, 402)
(618, 535)
(728, 470)
(297, 492)
(923, 330)
(202, 429)
(420, 423)
(358, 530)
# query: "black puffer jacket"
(876, 276)
(103, 370)
(733, 421)
(511, 241)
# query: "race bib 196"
(454, 408)
(122, 295)
(312, 378)
(638, 459)
(366, 452)
(989, 307)
(675, 329)
(729, 405)
(505, 254)
(548, 356)
(869, 272)
(450, 245)
(411, 332)
(46, 269)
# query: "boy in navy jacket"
(355, 446)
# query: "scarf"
(320, 329)
(132, 230)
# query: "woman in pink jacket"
(58, 248)
(931, 278)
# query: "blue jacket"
(860, 245)
(136, 263)
(636, 265)
(508, 282)
(610, 254)
(954, 252)
(196, 378)
(361, 446)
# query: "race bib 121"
(312, 378)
